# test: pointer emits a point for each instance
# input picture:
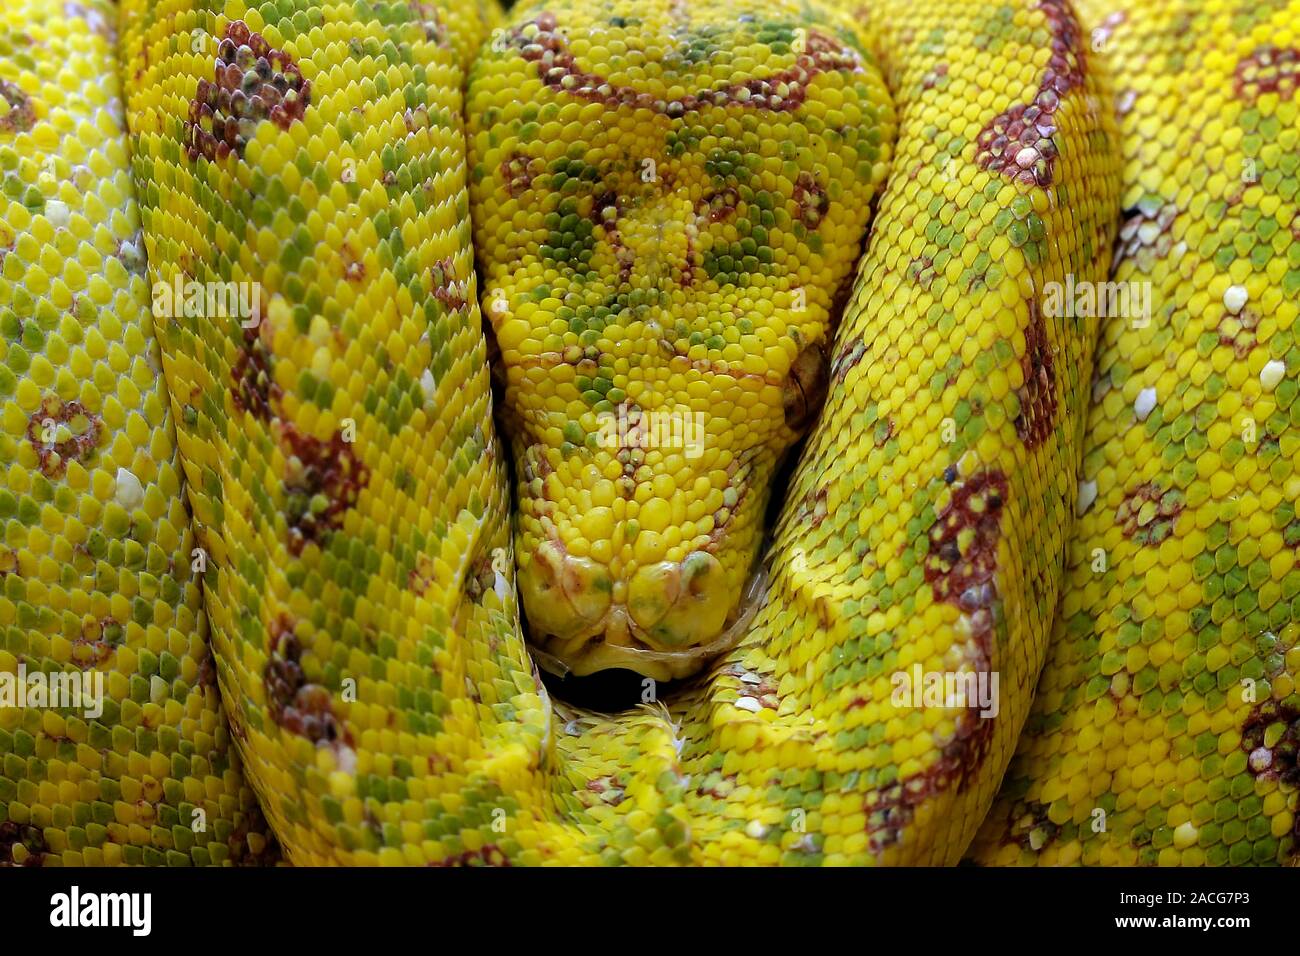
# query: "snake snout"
(680, 604)
(661, 619)
(564, 596)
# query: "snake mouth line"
(655, 664)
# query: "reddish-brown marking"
(721, 205)
(706, 365)
(253, 385)
(299, 707)
(604, 785)
(934, 76)
(1281, 761)
(207, 670)
(1145, 232)
(144, 64)
(951, 569)
(96, 643)
(737, 478)
(86, 428)
(625, 257)
(437, 764)
(447, 289)
(811, 200)
(1157, 523)
(415, 119)
(847, 358)
(430, 18)
(890, 810)
(714, 207)
(422, 575)
(1037, 395)
(1028, 817)
(21, 116)
(251, 82)
(1237, 332)
(518, 170)
(354, 270)
(238, 726)
(921, 271)
(537, 464)
(812, 508)
(1018, 142)
(762, 687)
(547, 360)
(962, 575)
(33, 838)
(559, 70)
(329, 468)
(687, 278)
(489, 855)
(146, 812)
(480, 578)
(717, 790)
(1269, 69)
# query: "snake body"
(790, 222)
(96, 557)
(1166, 723)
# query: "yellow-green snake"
(901, 390)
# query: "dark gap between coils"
(607, 692)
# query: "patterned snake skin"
(481, 258)
(1166, 726)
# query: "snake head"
(667, 197)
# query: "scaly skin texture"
(924, 524)
(349, 493)
(96, 553)
(922, 528)
(1167, 721)
(334, 446)
(662, 240)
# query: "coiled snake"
(530, 320)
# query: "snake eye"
(805, 387)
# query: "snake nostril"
(805, 387)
